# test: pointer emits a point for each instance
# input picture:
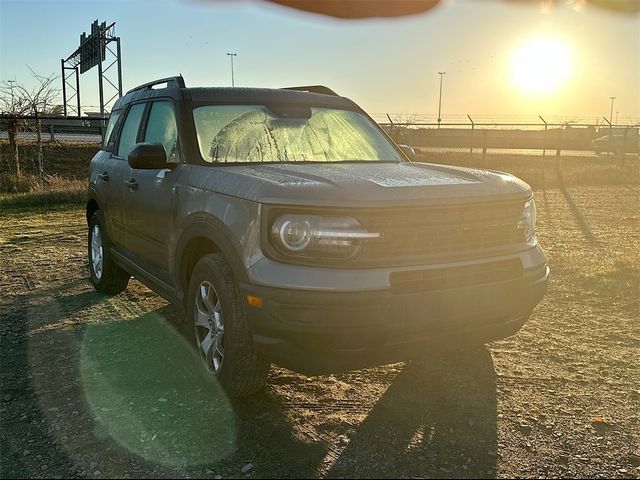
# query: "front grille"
(437, 232)
(455, 277)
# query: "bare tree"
(13, 106)
(39, 100)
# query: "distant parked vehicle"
(618, 144)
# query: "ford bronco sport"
(294, 230)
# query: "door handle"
(132, 184)
(104, 176)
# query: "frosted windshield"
(254, 133)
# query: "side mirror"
(149, 156)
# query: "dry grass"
(66, 166)
(58, 190)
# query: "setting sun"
(541, 65)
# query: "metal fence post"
(51, 132)
(472, 129)
(390, 127)
(559, 145)
(484, 144)
(544, 140)
(605, 119)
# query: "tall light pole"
(611, 114)
(440, 99)
(233, 83)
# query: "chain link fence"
(481, 135)
(36, 152)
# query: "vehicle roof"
(239, 95)
(267, 95)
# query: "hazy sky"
(386, 65)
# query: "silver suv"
(293, 230)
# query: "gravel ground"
(94, 386)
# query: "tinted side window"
(110, 134)
(130, 128)
(162, 128)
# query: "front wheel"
(106, 276)
(222, 336)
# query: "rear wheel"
(106, 276)
(222, 336)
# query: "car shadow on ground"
(438, 418)
(24, 424)
(128, 396)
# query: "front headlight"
(316, 236)
(528, 222)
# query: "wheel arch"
(204, 235)
(92, 207)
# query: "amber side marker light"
(254, 301)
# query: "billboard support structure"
(70, 89)
(94, 49)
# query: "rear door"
(151, 194)
(109, 174)
(118, 173)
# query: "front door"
(113, 171)
(150, 194)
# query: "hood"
(358, 184)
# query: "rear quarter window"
(130, 128)
(110, 133)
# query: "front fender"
(202, 225)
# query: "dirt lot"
(96, 386)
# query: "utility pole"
(440, 99)
(233, 83)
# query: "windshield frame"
(352, 107)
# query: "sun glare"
(541, 66)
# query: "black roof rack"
(172, 82)
(314, 89)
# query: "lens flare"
(147, 390)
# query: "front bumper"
(319, 332)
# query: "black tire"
(242, 370)
(112, 279)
